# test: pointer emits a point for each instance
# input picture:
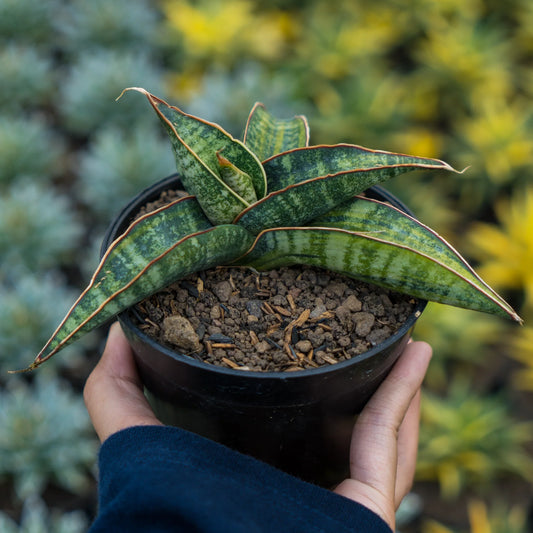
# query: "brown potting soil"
(280, 320)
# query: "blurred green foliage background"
(450, 79)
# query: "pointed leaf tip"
(127, 89)
(332, 173)
(377, 242)
(29, 368)
(156, 249)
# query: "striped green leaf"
(307, 182)
(156, 250)
(266, 135)
(375, 242)
(196, 143)
(236, 179)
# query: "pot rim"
(151, 192)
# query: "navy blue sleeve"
(164, 479)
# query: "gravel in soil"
(287, 319)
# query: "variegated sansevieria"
(268, 201)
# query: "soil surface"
(276, 321)
(280, 320)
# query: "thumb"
(113, 392)
(387, 431)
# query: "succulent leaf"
(157, 249)
(196, 143)
(267, 136)
(375, 242)
(307, 182)
(236, 179)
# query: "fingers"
(385, 437)
(407, 450)
(113, 392)
(380, 422)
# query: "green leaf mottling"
(308, 182)
(236, 179)
(156, 250)
(267, 136)
(377, 243)
(196, 143)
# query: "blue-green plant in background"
(225, 97)
(29, 21)
(51, 50)
(46, 437)
(86, 99)
(117, 25)
(26, 315)
(37, 518)
(39, 227)
(118, 164)
(28, 146)
(27, 78)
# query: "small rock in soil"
(364, 323)
(179, 331)
(303, 346)
(354, 305)
(223, 290)
(254, 308)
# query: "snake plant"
(273, 200)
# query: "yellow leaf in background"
(522, 351)
(498, 135)
(468, 440)
(186, 83)
(426, 142)
(211, 27)
(505, 251)
(434, 527)
(465, 55)
(495, 517)
(479, 520)
(219, 30)
(462, 341)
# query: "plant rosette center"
(281, 320)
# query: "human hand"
(114, 393)
(385, 438)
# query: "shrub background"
(450, 80)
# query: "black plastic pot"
(300, 422)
